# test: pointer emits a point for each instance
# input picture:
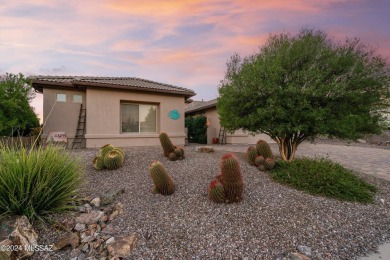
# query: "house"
(209, 109)
(122, 111)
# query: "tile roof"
(200, 105)
(128, 83)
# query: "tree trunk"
(288, 145)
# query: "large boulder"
(17, 233)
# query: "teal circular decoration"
(174, 114)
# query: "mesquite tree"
(298, 87)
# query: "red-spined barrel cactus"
(172, 157)
(231, 178)
(105, 149)
(166, 144)
(163, 182)
(264, 149)
(216, 191)
(251, 154)
(113, 160)
(269, 164)
(259, 160)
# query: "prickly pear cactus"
(163, 182)
(98, 163)
(251, 154)
(105, 149)
(264, 149)
(216, 191)
(113, 160)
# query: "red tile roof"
(125, 83)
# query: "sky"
(180, 42)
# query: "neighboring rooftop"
(200, 105)
(126, 83)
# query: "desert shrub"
(324, 177)
(37, 181)
(196, 129)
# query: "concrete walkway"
(373, 161)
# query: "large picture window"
(138, 118)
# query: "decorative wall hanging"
(174, 114)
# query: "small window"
(77, 99)
(139, 118)
(61, 97)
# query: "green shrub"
(323, 177)
(197, 129)
(37, 181)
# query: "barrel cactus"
(163, 182)
(172, 157)
(113, 160)
(120, 150)
(231, 178)
(98, 163)
(166, 144)
(259, 160)
(105, 149)
(216, 191)
(251, 154)
(269, 163)
(264, 149)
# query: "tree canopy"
(298, 87)
(17, 117)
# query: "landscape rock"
(109, 229)
(75, 253)
(23, 235)
(6, 254)
(204, 149)
(95, 202)
(80, 227)
(298, 256)
(68, 223)
(304, 250)
(70, 239)
(113, 215)
(110, 240)
(110, 196)
(90, 218)
(122, 247)
(87, 207)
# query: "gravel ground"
(271, 219)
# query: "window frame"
(65, 95)
(74, 95)
(139, 123)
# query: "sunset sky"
(180, 42)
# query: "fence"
(23, 141)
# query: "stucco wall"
(104, 121)
(239, 137)
(64, 115)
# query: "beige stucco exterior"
(104, 122)
(103, 116)
(61, 116)
(238, 137)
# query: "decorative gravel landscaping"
(272, 219)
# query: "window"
(77, 99)
(61, 97)
(139, 118)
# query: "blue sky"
(184, 43)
